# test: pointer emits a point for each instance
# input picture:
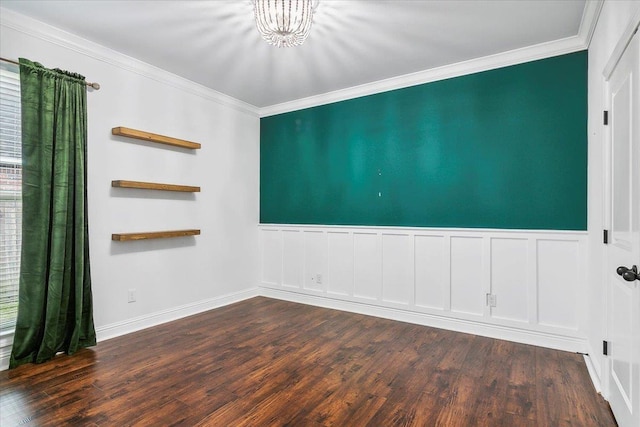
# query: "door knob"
(628, 274)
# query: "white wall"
(172, 277)
(437, 277)
(614, 17)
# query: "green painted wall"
(505, 148)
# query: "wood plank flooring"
(264, 362)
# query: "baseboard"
(537, 338)
(542, 339)
(591, 368)
(142, 322)
(5, 356)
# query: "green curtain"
(55, 312)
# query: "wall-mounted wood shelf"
(120, 183)
(147, 136)
(124, 237)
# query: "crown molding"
(50, 34)
(590, 16)
(513, 57)
(621, 46)
(85, 47)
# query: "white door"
(623, 251)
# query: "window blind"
(10, 194)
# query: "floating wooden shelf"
(123, 237)
(147, 136)
(154, 186)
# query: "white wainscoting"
(437, 277)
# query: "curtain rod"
(94, 85)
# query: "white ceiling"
(216, 44)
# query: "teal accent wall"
(505, 148)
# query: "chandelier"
(284, 23)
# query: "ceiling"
(352, 42)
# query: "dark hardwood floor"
(264, 362)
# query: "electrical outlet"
(492, 300)
(131, 295)
(319, 278)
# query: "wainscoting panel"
(509, 266)
(367, 260)
(467, 293)
(438, 277)
(272, 257)
(431, 272)
(340, 259)
(397, 269)
(292, 258)
(559, 277)
(315, 259)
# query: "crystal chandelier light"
(284, 23)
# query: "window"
(10, 194)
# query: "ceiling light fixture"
(284, 23)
